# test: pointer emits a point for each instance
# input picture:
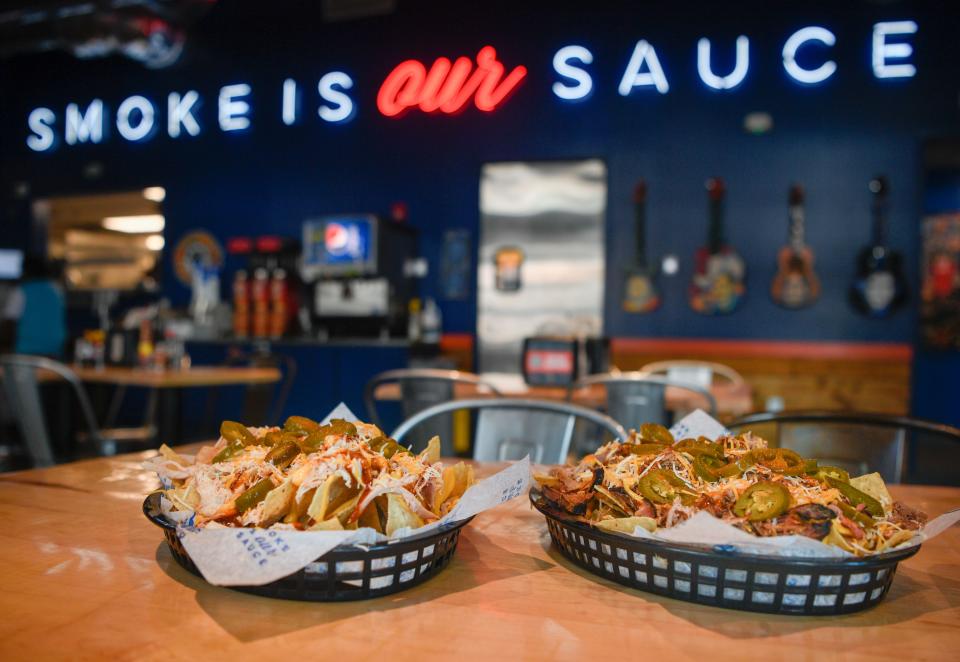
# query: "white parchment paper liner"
(253, 557)
(705, 529)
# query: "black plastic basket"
(347, 572)
(722, 577)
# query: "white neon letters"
(643, 52)
(882, 51)
(131, 126)
(180, 114)
(233, 111)
(331, 88)
(583, 80)
(288, 112)
(793, 44)
(86, 126)
(735, 77)
(41, 122)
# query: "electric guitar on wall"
(718, 279)
(641, 294)
(880, 287)
(795, 285)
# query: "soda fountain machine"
(354, 265)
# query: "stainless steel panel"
(554, 213)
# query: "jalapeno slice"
(233, 431)
(300, 425)
(272, 438)
(857, 516)
(836, 472)
(699, 446)
(232, 449)
(762, 501)
(386, 447)
(283, 454)
(643, 449)
(705, 465)
(654, 433)
(662, 486)
(337, 426)
(779, 460)
(254, 495)
(856, 497)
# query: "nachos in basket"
(308, 476)
(655, 481)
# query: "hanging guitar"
(718, 284)
(795, 285)
(880, 288)
(641, 294)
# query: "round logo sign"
(197, 247)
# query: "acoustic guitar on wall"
(795, 285)
(879, 288)
(718, 282)
(640, 289)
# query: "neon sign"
(447, 87)
(792, 46)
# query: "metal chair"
(634, 398)
(863, 443)
(23, 391)
(509, 428)
(421, 388)
(673, 368)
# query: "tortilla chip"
(370, 518)
(432, 452)
(299, 507)
(612, 500)
(464, 476)
(171, 454)
(184, 498)
(332, 524)
(897, 538)
(628, 524)
(873, 485)
(837, 538)
(277, 503)
(330, 496)
(399, 515)
(345, 510)
(546, 480)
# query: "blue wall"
(832, 138)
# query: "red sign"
(549, 362)
(447, 87)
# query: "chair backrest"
(509, 428)
(421, 388)
(674, 369)
(858, 442)
(634, 398)
(23, 391)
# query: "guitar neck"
(880, 221)
(880, 189)
(715, 237)
(640, 230)
(797, 235)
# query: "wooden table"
(86, 576)
(167, 385)
(733, 400)
(194, 376)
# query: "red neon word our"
(447, 87)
